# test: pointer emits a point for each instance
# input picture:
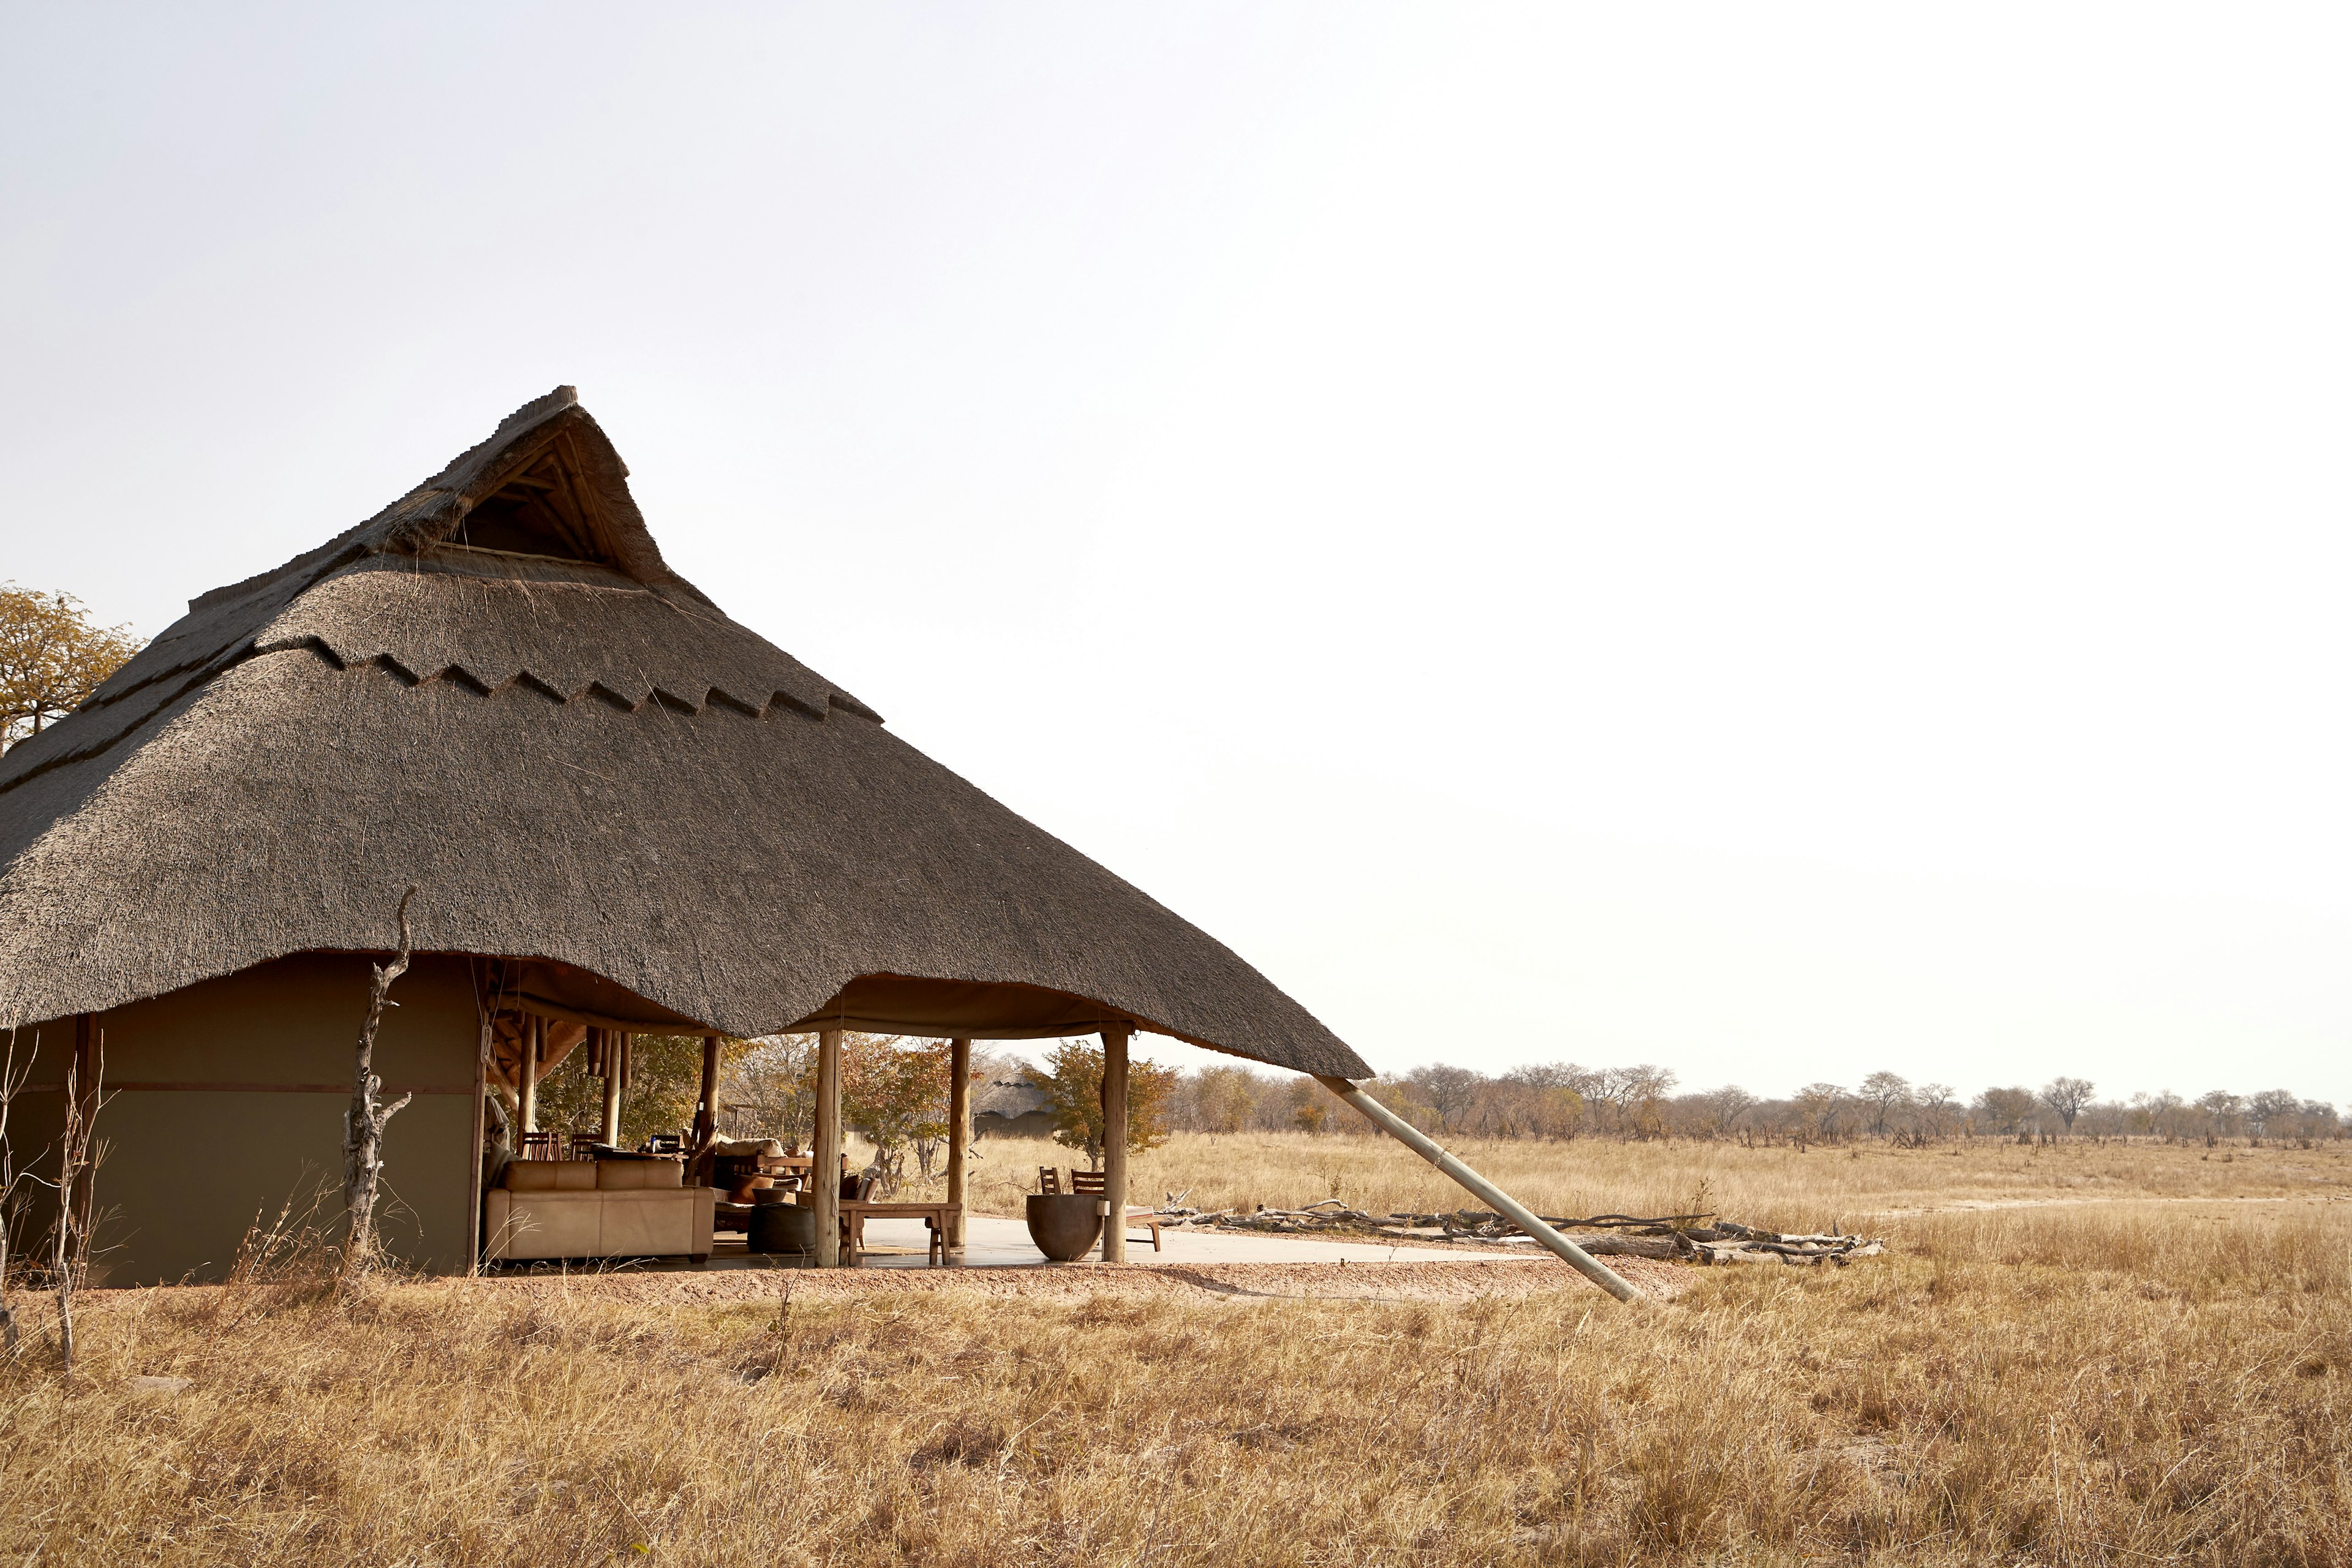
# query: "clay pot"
(784, 1227)
(1063, 1224)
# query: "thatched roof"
(496, 689)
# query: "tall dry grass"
(2124, 1384)
(1781, 1188)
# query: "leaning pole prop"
(1406, 1133)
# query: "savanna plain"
(2075, 1353)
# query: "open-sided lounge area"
(696, 1195)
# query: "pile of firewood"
(1692, 1237)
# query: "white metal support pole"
(1501, 1201)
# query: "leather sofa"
(597, 1208)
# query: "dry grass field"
(1780, 1188)
(2145, 1356)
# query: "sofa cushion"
(649, 1224)
(741, 1147)
(546, 1225)
(551, 1176)
(641, 1222)
(628, 1175)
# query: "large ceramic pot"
(1063, 1224)
(784, 1227)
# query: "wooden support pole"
(958, 1133)
(534, 1037)
(705, 1110)
(825, 1168)
(616, 1044)
(474, 1174)
(1114, 1098)
(1501, 1201)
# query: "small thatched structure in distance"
(1008, 1108)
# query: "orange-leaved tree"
(51, 658)
(894, 1092)
(1071, 1081)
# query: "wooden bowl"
(1063, 1224)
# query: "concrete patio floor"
(993, 1243)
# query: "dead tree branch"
(364, 1123)
(11, 1081)
(76, 1204)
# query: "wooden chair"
(540, 1146)
(585, 1144)
(1049, 1181)
(1092, 1182)
(789, 1171)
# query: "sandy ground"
(1459, 1280)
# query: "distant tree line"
(894, 1093)
(1562, 1100)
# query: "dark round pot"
(784, 1227)
(1063, 1224)
(773, 1194)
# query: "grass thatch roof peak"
(498, 691)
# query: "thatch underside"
(578, 760)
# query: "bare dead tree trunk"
(76, 1202)
(61, 1261)
(10, 1081)
(498, 1140)
(364, 1123)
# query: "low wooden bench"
(855, 1212)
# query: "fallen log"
(1667, 1236)
(1609, 1245)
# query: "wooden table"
(855, 1212)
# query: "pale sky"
(1777, 541)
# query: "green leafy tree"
(1071, 1081)
(665, 1081)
